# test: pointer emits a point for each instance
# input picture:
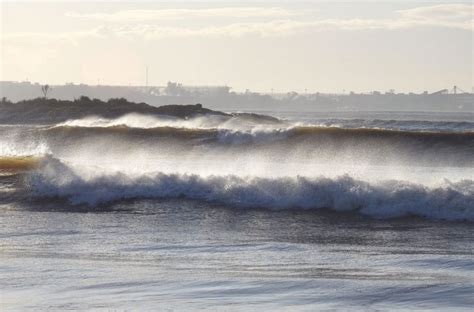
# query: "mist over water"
(246, 161)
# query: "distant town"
(450, 99)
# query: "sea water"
(359, 211)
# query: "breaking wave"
(239, 121)
(382, 199)
(249, 161)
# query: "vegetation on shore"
(45, 110)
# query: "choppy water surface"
(315, 212)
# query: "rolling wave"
(383, 199)
(232, 136)
(303, 142)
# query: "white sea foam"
(382, 199)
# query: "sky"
(311, 46)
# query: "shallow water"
(185, 254)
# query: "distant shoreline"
(222, 98)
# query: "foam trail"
(383, 199)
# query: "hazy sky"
(286, 45)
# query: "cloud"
(442, 15)
(283, 22)
(454, 16)
(440, 12)
(407, 19)
(179, 14)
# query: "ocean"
(318, 211)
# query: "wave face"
(18, 163)
(246, 161)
